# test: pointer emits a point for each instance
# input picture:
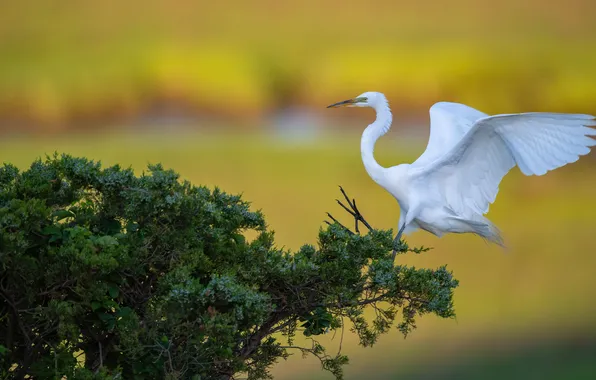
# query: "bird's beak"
(342, 103)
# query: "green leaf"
(106, 317)
(111, 324)
(124, 312)
(132, 227)
(113, 291)
(109, 304)
(203, 272)
(110, 226)
(106, 241)
(61, 214)
(51, 230)
(95, 305)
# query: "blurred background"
(233, 93)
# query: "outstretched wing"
(468, 176)
(449, 122)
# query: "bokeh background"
(233, 93)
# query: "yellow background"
(233, 94)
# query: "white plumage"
(449, 188)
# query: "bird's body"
(449, 188)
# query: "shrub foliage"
(106, 274)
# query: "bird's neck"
(370, 136)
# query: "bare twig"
(341, 225)
(312, 351)
(351, 209)
(100, 356)
(283, 325)
(342, 335)
(56, 287)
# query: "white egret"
(448, 189)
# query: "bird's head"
(367, 99)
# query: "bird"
(449, 188)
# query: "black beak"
(339, 104)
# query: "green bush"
(105, 274)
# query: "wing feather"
(469, 174)
(449, 122)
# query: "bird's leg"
(396, 241)
(353, 210)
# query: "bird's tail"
(485, 229)
(494, 235)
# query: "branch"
(255, 340)
(56, 287)
(352, 210)
(368, 301)
(307, 350)
(341, 225)
(341, 341)
(312, 351)
(327, 362)
(363, 302)
(15, 313)
(283, 325)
